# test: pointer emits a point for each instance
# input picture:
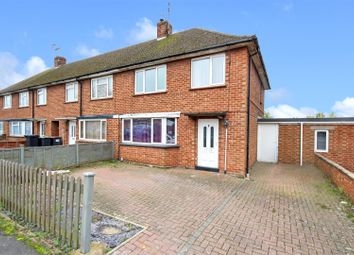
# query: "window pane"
(93, 89)
(139, 82)
(204, 136)
(101, 90)
(218, 69)
(211, 137)
(126, 131)
(28, 128)
(161, 78)
(157, 130)
(142, 130)
(1, 128)
(200, 72)
(171, 131)
(321, 140)
(93, 130)
(110, 86)
(150, 80)
(103, 130)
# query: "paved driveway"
(283, 210)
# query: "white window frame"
(76, 92)
(45, 96)
(163, 131)
(1, 127)
(10, 100)
(327, 140)
(22, 127)
(211, 71)
(82, 136)
(107, 89)
(20, 95)
(144, 73)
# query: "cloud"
(85, 51)
(144, 30)
(276, 95)
(344, 108)
(104, 33)
(287, 111)
(12, 70)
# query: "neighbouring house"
(188, 99)
(327, 143)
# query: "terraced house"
(189, 99)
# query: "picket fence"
(50, 201)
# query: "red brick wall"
(339, 178)
(341, 146)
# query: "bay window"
(149, 131)
(42, 96)
(94, 130)
(7, 101)
(20, 128)
(23, 99)
(208, 71)
(150, 80)
(71, 92)
(102, 87)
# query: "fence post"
(22, 154)
(87, 213)
(112, 150)
(77, 154)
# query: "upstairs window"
(150, 130)
(42, 96)
(102, 87)
(208, 71)
(71, 92)
(321, 140)
(150, 80)
(23, 99)
(20, 128)
(7, 101)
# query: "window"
(102, 87)
(71, 92)
(149, 130)
(208, 71)
(42, 96)
(150, 80)
(321, 140)
(93, 130)
(1, 127)
(23, 99)
(20, 128)
(7, 101)
(42, 128)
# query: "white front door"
(208, 143)
(267, 144)
(72, 132)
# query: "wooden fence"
(48, 200)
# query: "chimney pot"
(164, 29)
(59, 61)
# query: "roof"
(308, 120)
(180, 43)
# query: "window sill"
(91, 140)
(319, 151)
(210, 87)
(162, 146)
(103, 98)
(151, 93)
(41, 104)
(21, 107)
(7, 108)
(70, 102)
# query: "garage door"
(267, 147)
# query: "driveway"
(283, 209)
(9, 245)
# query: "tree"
(267, 115)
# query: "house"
(188, 99)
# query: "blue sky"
(306, 45)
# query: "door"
(267, 145)
(208, 143)
(72, 132)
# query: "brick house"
(188, 99)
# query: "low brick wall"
(342, 177)
(11, 144)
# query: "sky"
(307, 45)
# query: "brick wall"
(289, 144)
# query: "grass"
(329, 187)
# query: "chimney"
(163, 29)
(59, 61)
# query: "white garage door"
(267, 147)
